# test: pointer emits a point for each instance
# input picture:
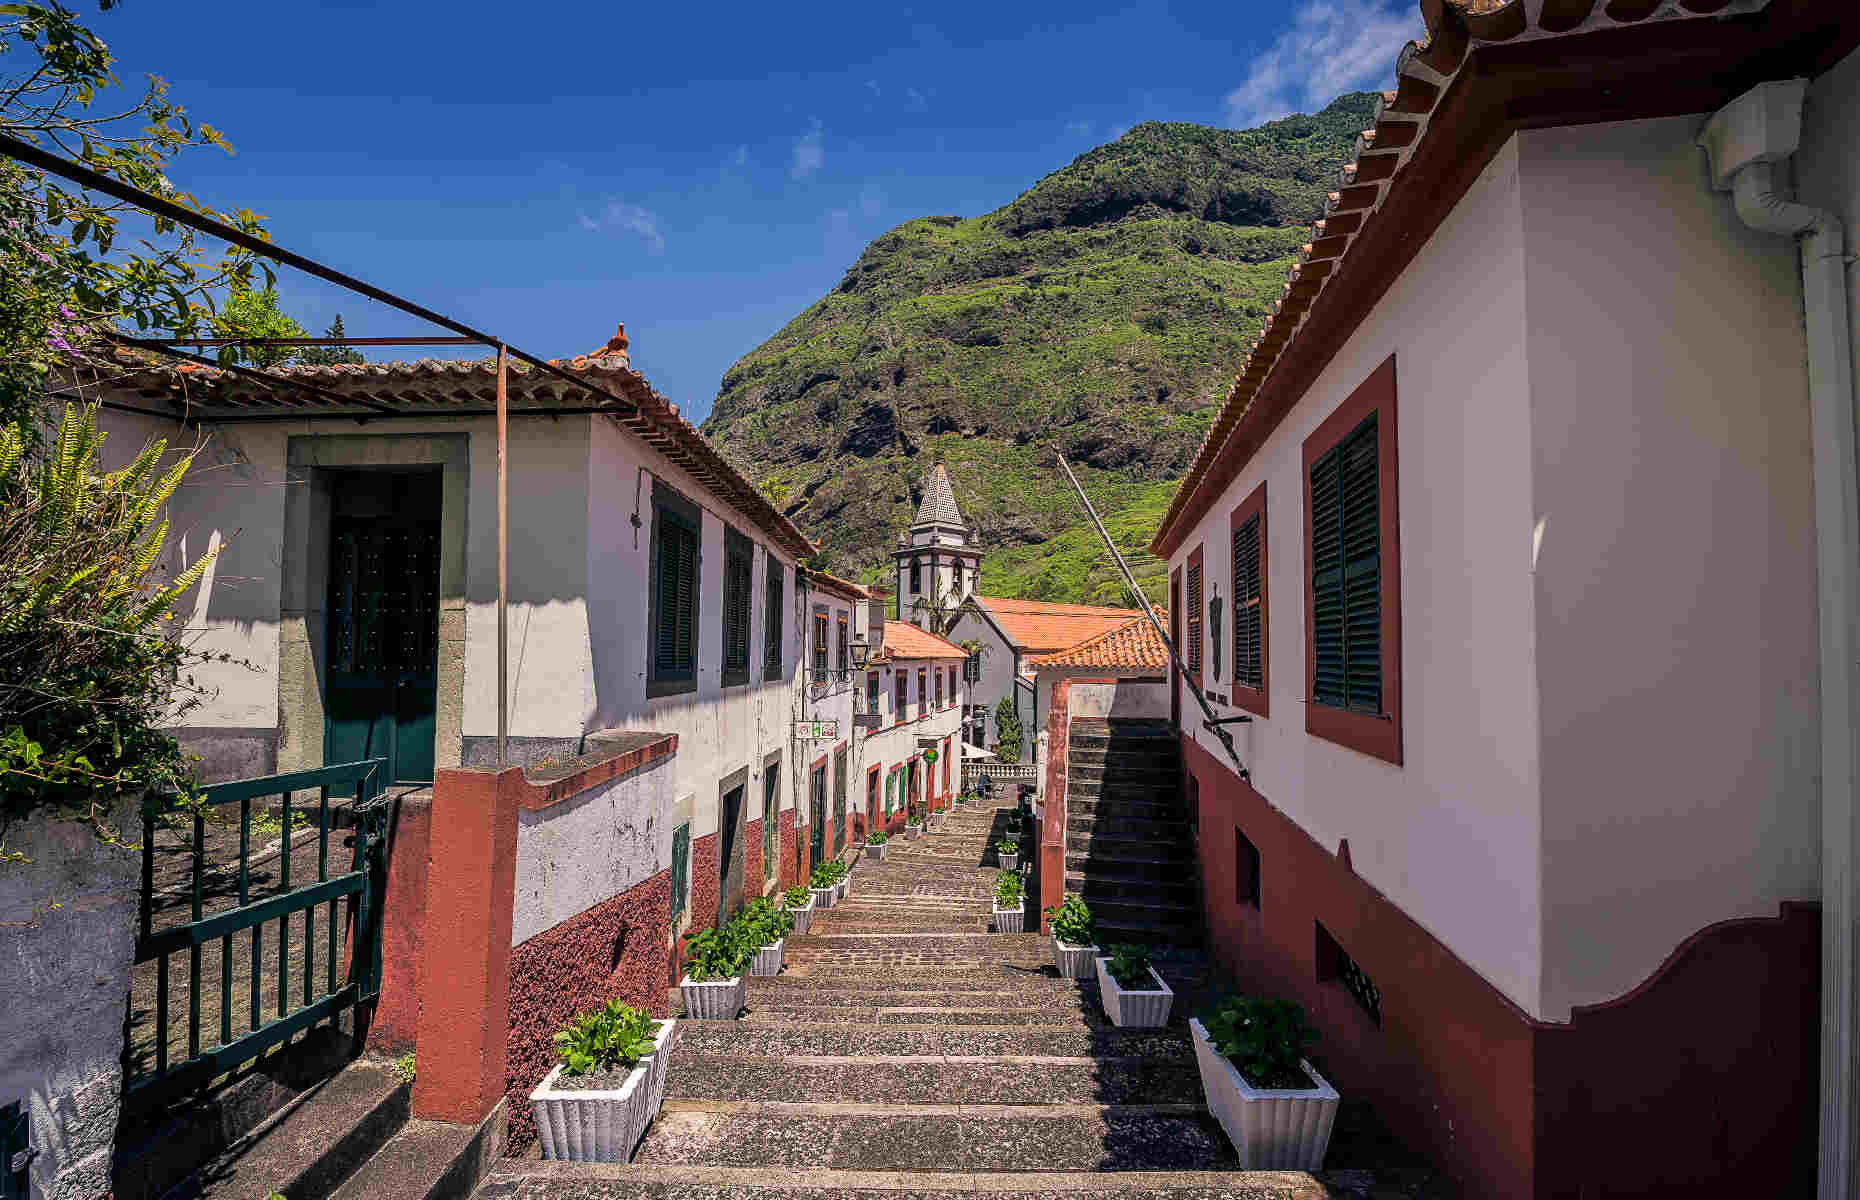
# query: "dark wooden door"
(817, 812)
(839, 796)
(730, 856)
(381, 686)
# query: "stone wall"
(68, 918)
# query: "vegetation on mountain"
(1100, 315)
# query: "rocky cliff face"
(1100, 314)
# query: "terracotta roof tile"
(905, 640)
(842, 587)
(1043, 627)
(1134, 645)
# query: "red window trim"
(1255, 700)
(1195, 624)
(1378, 736)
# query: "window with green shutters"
(772, 665)
(1194, 614)
(771, 812)
(676, 527)
(681, 868)
(1353, 572)
(738, 573)
(1346, 573)
(1248, 663)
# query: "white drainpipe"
(1745, 140)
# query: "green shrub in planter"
(713, 954)
(796, 897)
(1007, 846)
(1070, 921)
(612, 1037)
(876, 838)
(828, 873)
(1129, 965)
(1264, 1037)
(1008, 891)
(764, 924)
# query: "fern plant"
(92, 659)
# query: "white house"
(1133, 651)
(651, 589)
(1526, 537)
(911, 759)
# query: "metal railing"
(293, 1005)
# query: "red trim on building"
(535, 797)
(1376, 735)
(1700, 1082)
(395, 1026)
(1257, 701)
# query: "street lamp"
(861, 652)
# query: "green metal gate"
(296, 1003)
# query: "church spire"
(939, 503)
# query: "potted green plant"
(1007, 851)
(875, 844)
(913, 828)
(1273, 1105)
(1133, 994)
(842, 879)
(800, 905)
(715, 959)
(1070, 923)
(1010, 903)
(824, 884)
(767, 928)
(594, 1104)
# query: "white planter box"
(768, 959)
(718, 1000)
(823, 897)
(913, 832)
(804, 915)
(876, 851)
(841, 888)
(584, 1125)
(1272, 1130)
(1074, 962)
(1135, 1008)
(1009, 862)
(1010, 920)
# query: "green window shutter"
(771, 813)
(738, 571)
(772, 664)
(1346, 573)
(681, 867)
(675, 598)
(1194, 617)
(1248, 663)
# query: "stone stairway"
(1129, 852)
(905, 1053)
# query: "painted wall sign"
(816, 731)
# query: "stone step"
(430, 1160)
(932, 1080)
(942, 1137)
(1145, 925)
(1077, 1015)
(1098, 886)
(1135, 828)
(518, 1179)
(311, 1147)
(1092, 767)
(1145, 862)
(740, 1040)
(1125, 726)
(1150, 806)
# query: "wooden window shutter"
(1346, 576)
(677, 585)
(1194, 614)
(772, 627)
(1247, 642)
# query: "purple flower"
(66, 313)
(39, 254)
(58, 343)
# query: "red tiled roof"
(905, 640)
(1042, 627)
(467, 387)
(1435, 130)
(838, 586)
(1134, 645)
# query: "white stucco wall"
(591, 848)
(1672, 487)
(998, 675)
(894, 744)
(1452, 835)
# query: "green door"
(381, 686)
(817, 813)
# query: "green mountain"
(1101, 314)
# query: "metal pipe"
(313, 341)
(26, 152)
(270, 381)
(503, 565)
(1207, 713)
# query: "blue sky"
(701, 172)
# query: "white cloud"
(916, 101)
(620, 217)
(1333, 46)
(810, 153)
(873, 84)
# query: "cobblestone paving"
(905, 1051)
